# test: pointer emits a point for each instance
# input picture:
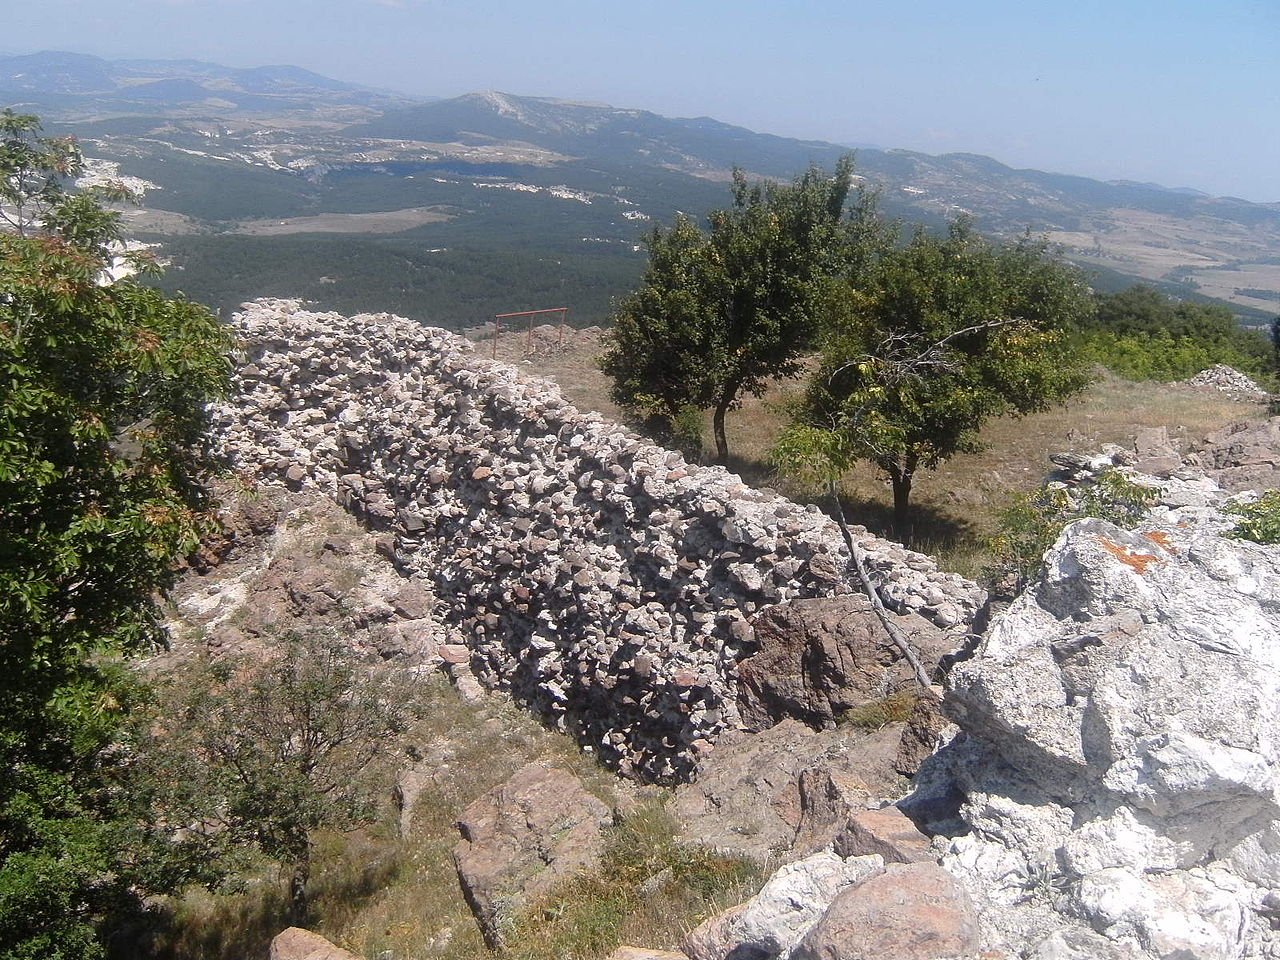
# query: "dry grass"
(957, 506)
(374, 892)
(392, 898)
(649, 890)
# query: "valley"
(431, 199)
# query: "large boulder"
(294, 943)
(1244, 455)
(908, 912)
(773, 922)
(523, 837)
(1120, 761)
(819, 658)
(784, 792)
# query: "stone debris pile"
(604, 581)
(1229, 380)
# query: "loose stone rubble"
(601, 579)
(1229, 380)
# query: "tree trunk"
(901, 479)
(717, 426)
(298, 886)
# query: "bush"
(1259, 519)
(1031, 524)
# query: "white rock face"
(1120, 761)
(776, 919)
(601, 579)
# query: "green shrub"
(1033, 521)
(1259, 520)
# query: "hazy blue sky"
(1181, 92)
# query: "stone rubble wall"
(604, 581)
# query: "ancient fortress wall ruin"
(601, 579)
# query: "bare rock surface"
(523, 837)
(1244, 455)
(887, 833)
(748, 797)
(908, 912)
(1120, 760)
(294, 943)
(287, 561)
(772, 923)
(603, 581)
(819, 658)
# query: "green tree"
(266, 749)
(720, 313)
(949, 333)
(102, 462)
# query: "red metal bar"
(525, 313)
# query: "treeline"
(455, 287)
(1141, 334)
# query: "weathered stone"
(294, 943)
(819, 658)
(511, 504)
(828, 797)
(773, 922)
(887, 833)
(748, 798)
(926, 728)
(909, 912)
(523, 837)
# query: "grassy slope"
(382, 896)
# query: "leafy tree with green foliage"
(721, 313)
(102, 462)
(265, 749)
(949, 333)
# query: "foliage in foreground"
(1259, 519)
(102, 464)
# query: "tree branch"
(858, 562)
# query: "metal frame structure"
(528, 346)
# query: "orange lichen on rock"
(1161, 539)
(1137, 561)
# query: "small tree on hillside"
(949, 333)
(719, 314)
(267, 750)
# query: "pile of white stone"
(601, 579)
(1229, 380)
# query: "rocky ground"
(1101, 776)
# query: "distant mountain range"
(76, 84)
(315, 175)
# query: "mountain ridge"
(551, 181)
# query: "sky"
(1185, 93)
